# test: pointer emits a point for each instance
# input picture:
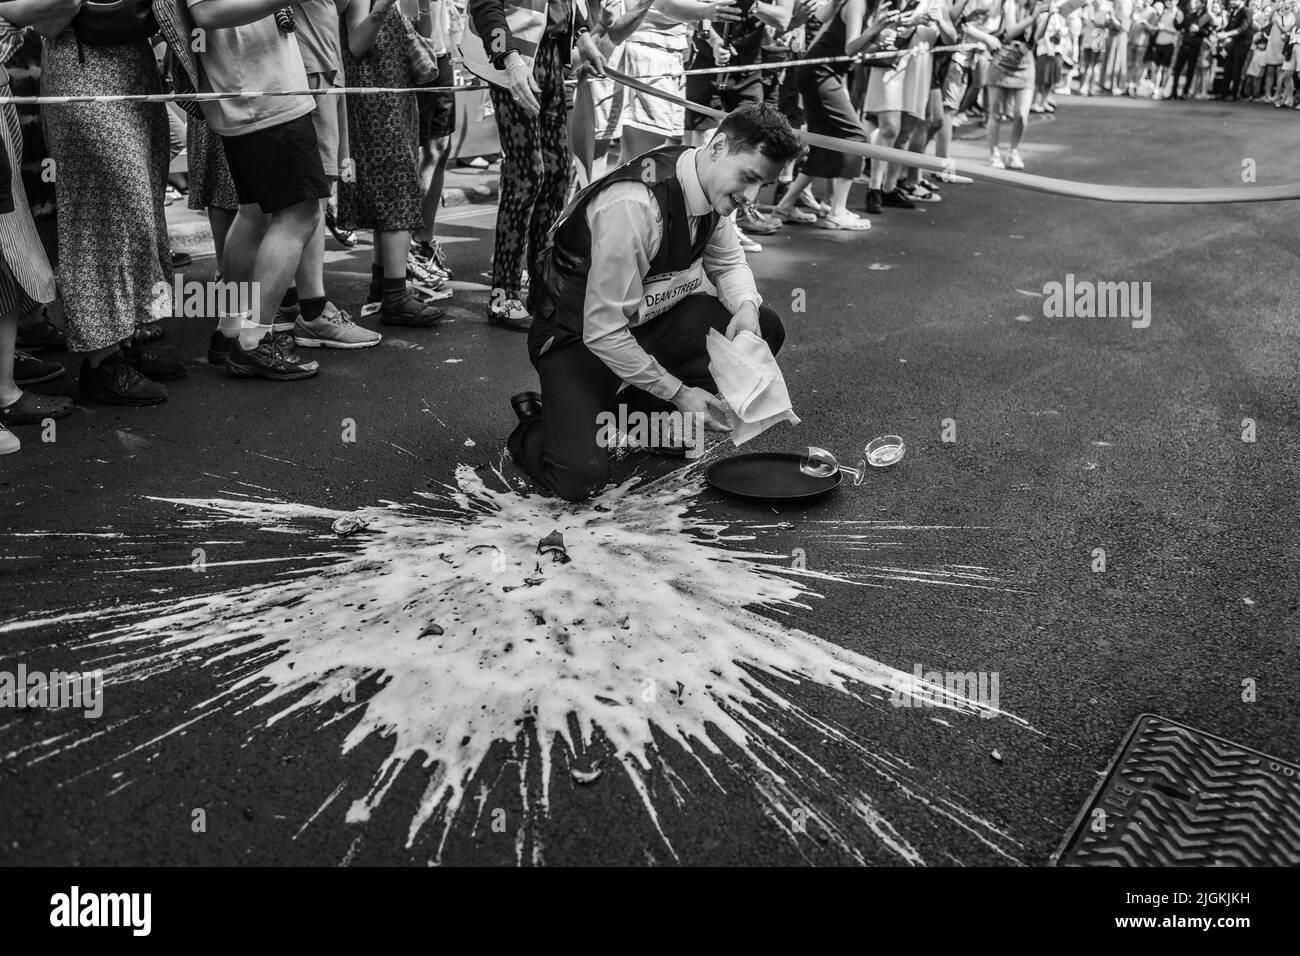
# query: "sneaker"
(268, 359)
(748, 244)
(117, 382)
(875, 205)
(427, 256)
(375, 300)
(333, 330)
(897, 198)
(1014, 161)
(753, 221)
(219, 347)
(511, 315)
(154, 366)
(9, 442)
(409, 311)
(439, 256)
(920, 192)
(32, 371)
(421, 273)
(995, 160)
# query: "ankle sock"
(250, 331)
(229, 325)
(312, 309)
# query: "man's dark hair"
(761, 128)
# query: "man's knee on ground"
(578, 481)
(771, 328)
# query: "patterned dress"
(384, 193)
(112, 161)
(211, 185)
(26, 279)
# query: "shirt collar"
(697, 204)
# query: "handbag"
(420, 52)
(114, 22)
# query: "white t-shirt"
(256, 57)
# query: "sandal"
(847, 223)
(798, 215)
(31, 409)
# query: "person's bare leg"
(9, 390)
(801, 182)
(638, 141)
(391, 249)
(840, 197)
(433, 169)
(220, 220)
(888, 125)
(310, 275)
(281, 249)
(242, 241)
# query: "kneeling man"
(616, 300)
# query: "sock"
(312, 309)
(394, 288)
(250, 332)
(290, 298)
(229, 325)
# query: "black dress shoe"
(32, 371)
(182, 260)
(151, 365)
(526, 405)
(147, 333)
(117, 382)
(40, 334)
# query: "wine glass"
(885, 451)
(819, 463)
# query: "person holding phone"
(1011, 79)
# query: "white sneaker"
(9, 442)
(995, 160)
(1014, 161)
(333, 330)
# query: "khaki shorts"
(327, 118)
(647, 112)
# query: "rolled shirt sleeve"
(625, 238)
(725, 265)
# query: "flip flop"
(798, 215)
(32, 409)
(848, 225)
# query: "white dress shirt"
(626, 230)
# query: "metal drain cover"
(1177, 796)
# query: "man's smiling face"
(731, 179)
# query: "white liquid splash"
(646, 644)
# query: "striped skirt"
(26, 279)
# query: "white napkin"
(750, 382)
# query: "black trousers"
(1185, 62)
(1235, 67)
(559, 449)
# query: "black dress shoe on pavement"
(117, 382)
(40, 334)
(219, 348)
(268, 359)
(156, 367)
(874, 205)
(32, 371)
(526, 405)
(147, 333)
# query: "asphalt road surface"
(273, 693)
